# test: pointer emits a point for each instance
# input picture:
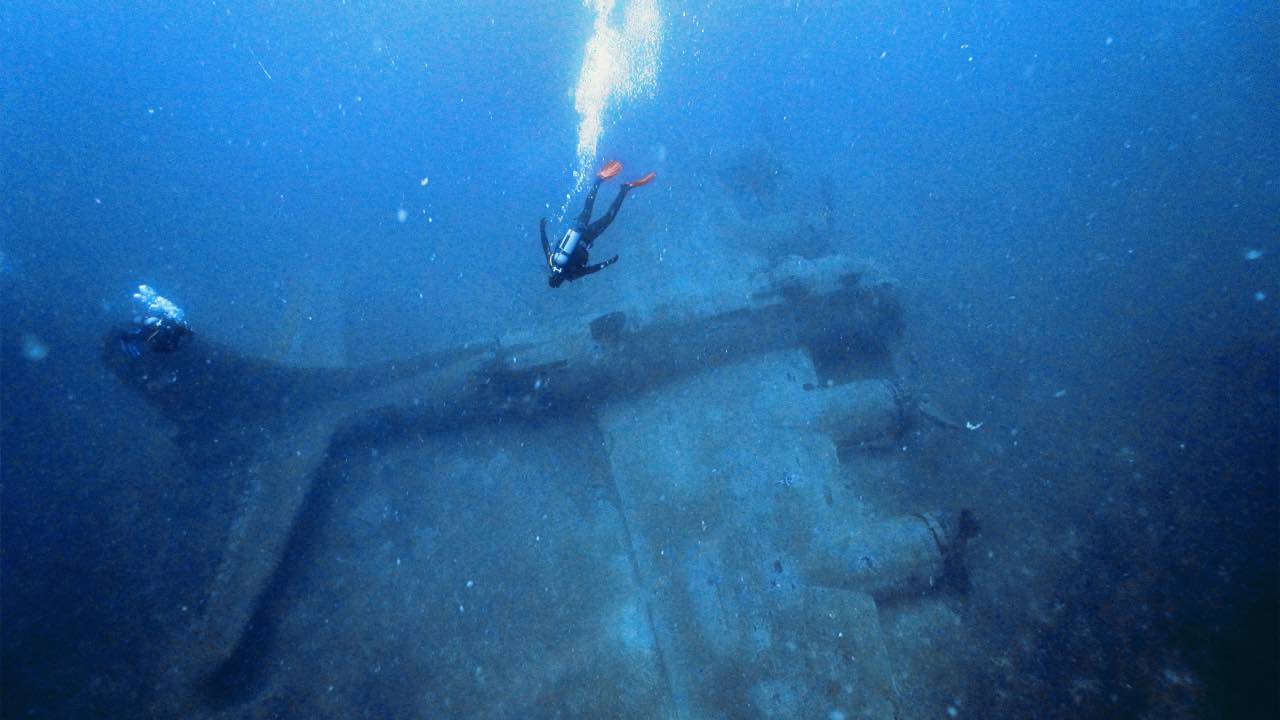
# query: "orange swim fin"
(611, 168)
(643, 181)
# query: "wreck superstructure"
(643, 515)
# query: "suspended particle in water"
(33, 348)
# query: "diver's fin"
(611, 168)
(643, 181)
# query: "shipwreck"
(651, 513)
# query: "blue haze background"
(1068, 193)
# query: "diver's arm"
(598, 266)
(546, 247)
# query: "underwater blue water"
(1082, 202)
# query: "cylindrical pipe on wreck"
(896, 558)
(859, 414)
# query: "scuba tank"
(559, 259)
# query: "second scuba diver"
(158, 325)
(568, 260)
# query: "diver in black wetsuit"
(158, 326)
(568, 261)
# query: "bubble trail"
(618, 64)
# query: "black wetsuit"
(588, 231)
(158, 336)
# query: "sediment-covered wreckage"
(653, 514)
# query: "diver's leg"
(584, 217)
(597, 227)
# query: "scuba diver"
(568, 261)
(158, 325)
